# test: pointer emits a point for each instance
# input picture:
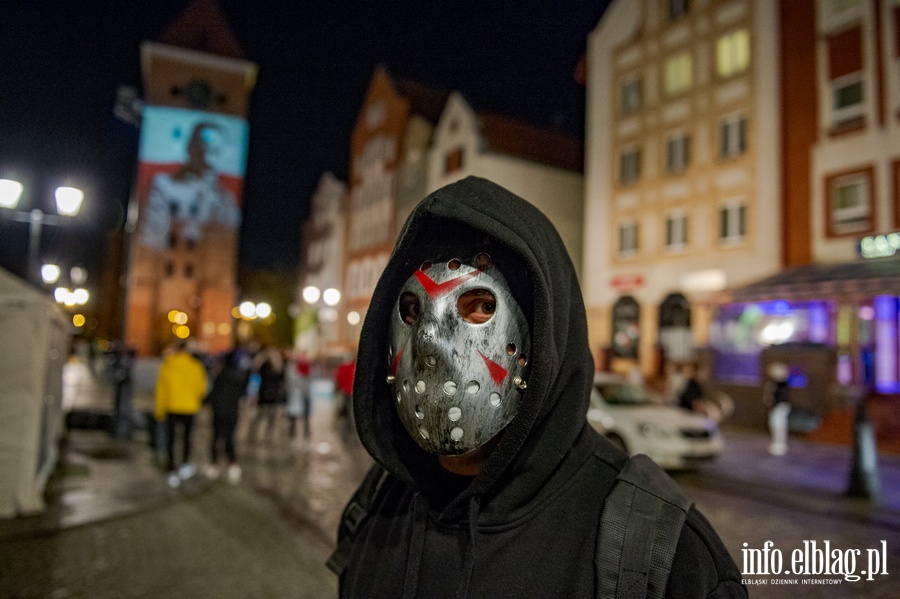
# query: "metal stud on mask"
(458, 355)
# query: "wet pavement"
(115, 489)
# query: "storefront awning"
(851, 281)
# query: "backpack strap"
(639, 530)
(356, 512)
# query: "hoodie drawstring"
(469, 561)
(416, 546)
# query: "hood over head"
(460, 221)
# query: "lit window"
(733, 53)
(628, 237)
(732, 222)
(632, 95)
(733, 136)
(629, 166)
(678, 8)
(847, 99)
(678, 153)
(679, 73)
(676, 230)
(849, 203)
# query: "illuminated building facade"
(390, 138)
(192, 159)
(742, 173)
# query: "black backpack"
(639, 529)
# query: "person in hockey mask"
(471, 392)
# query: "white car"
(635, 419)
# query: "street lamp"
(68, 203)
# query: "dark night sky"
(62, 61)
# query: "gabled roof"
(202, 27)
(536, 144)
(423, 99)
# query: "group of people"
(270, 378)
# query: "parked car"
(635, 419)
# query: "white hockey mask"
(458, 356)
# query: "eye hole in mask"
(409, 307)
(476, 306)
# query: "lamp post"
(68, 204)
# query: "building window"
(733, 137)
(453, 161)
(845, 75)
(847, 99)
(628, 238)
(733, 53)
(188, 271)
(850, 202)
(678, 153)
(676, 231)
(629, 166)
(632, 95)
(170, 269)
(679, 73)
(678, 8)
(732, 222)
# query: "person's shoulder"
(702, 566)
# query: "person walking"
(343, 386)
(299, 399)
(228, 388)
(180, 390)
(775, 395)
(269, 365)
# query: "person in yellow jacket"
(180, 390)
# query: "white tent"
(33, 348)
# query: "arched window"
(675, 335)
(626, 328)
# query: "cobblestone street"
(226, 542)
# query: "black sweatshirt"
(527, 525)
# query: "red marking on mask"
(396, 362)
(435, 290)
(497, 372)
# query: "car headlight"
(653, 430)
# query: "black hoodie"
(526, 526)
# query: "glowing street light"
(263, 310)
(311, 294)
(331, 296)
(247, 310)
(68, 203)
(50, 273)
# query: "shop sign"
(624, 282)
(879, 246)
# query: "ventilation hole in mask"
(425, 266)
(423, 432)
(431, 361)
(449, 387)
(420, 386)
(454, 264)
(456, 434)
(419, 413)
(511, 349)
(399, 398)
(406, 386)
(523, 360)
(473, 387)
(454, 414)
(482, 261)
(495, 399)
